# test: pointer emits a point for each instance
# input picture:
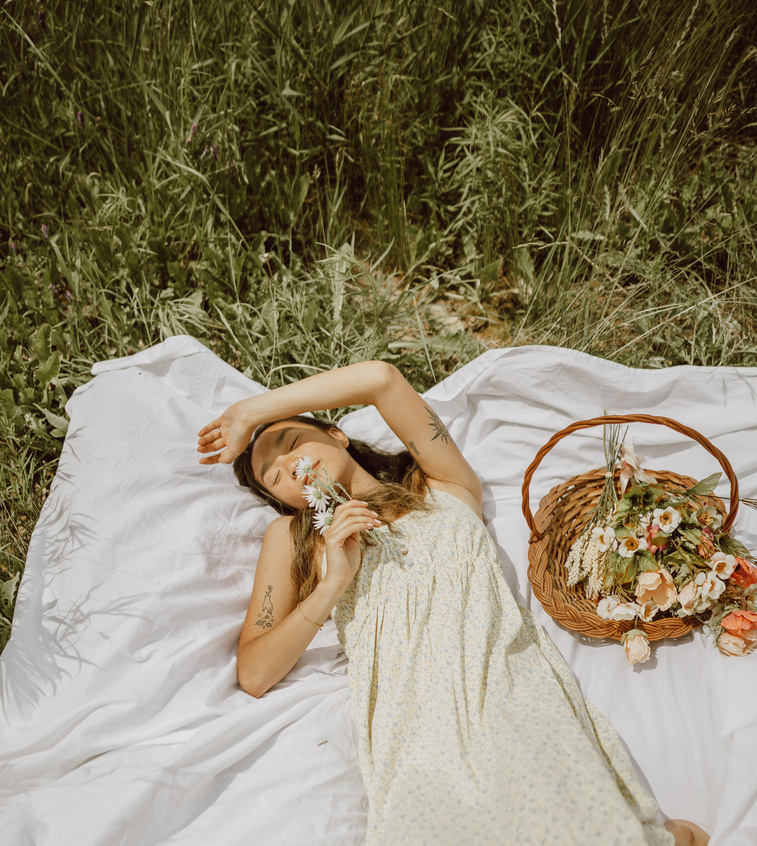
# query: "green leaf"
(706, 486)
(47, 371)
(731, 546)
(8, 589)
(646, 561)
(693, 536)
(55, 420)
(41, 342)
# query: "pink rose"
(745, 573)
(636, 646)
(657, 587)
(740, 623)
(730, 644)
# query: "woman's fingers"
(216, 424)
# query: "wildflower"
(322, 520)
(630, 467)
(14, 246)
(192, 133)
(628, 547)
(45, 230)
(41, 20)
(658, 588)
(606, 606)
(636, 646)
(668, 519)
(214, 151)
(647, 611)
(603, 537)
(303, 467)
(625, 611)
(722, 564)
(80, 118)
(709, 516)
(69, 295)
(710, 587)
(263, 257)
(316, 497)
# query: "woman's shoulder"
(460, 493)
(279, 528)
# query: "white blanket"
(121, 720)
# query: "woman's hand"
(342, 540)
(231, 432)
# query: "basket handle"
(629, 418)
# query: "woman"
(472, 728)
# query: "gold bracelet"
(307, 619)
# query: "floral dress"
(472, 727)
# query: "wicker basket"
(562, 515)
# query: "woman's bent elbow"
(251, 685)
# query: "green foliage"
(305, 183)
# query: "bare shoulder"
(279, 529)
(462, 493)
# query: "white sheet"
(121, 719)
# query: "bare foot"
(687, 834)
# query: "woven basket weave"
(564, 512)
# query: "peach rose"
(636, 646)
(744, 574)
(740, 623)
(657, 587)
(730, 644)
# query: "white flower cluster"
(319, 493)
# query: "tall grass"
(304, 183)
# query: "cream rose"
(730, 644)
(656, 587)
(636, 646)
(687, 598)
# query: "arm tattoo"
(439, 428)
(414, 448)
(265, 618)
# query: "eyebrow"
(277, 443)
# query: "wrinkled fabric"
(121, 721)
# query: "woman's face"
(281, 445)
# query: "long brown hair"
(402, 487)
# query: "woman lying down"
(472, 727)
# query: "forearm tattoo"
(414, 448)
(265, 618)
(440, 430)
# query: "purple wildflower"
(45, 230)
(14, 246)
(69, 295)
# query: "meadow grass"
(301, 184)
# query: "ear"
(339, 435)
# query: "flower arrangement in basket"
(651, 560)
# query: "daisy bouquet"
(322, 494)
(654, 552)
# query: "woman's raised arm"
(367, 383)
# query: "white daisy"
(303, 467)
(316, 497)
(322, 520)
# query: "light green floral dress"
(472, 728)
